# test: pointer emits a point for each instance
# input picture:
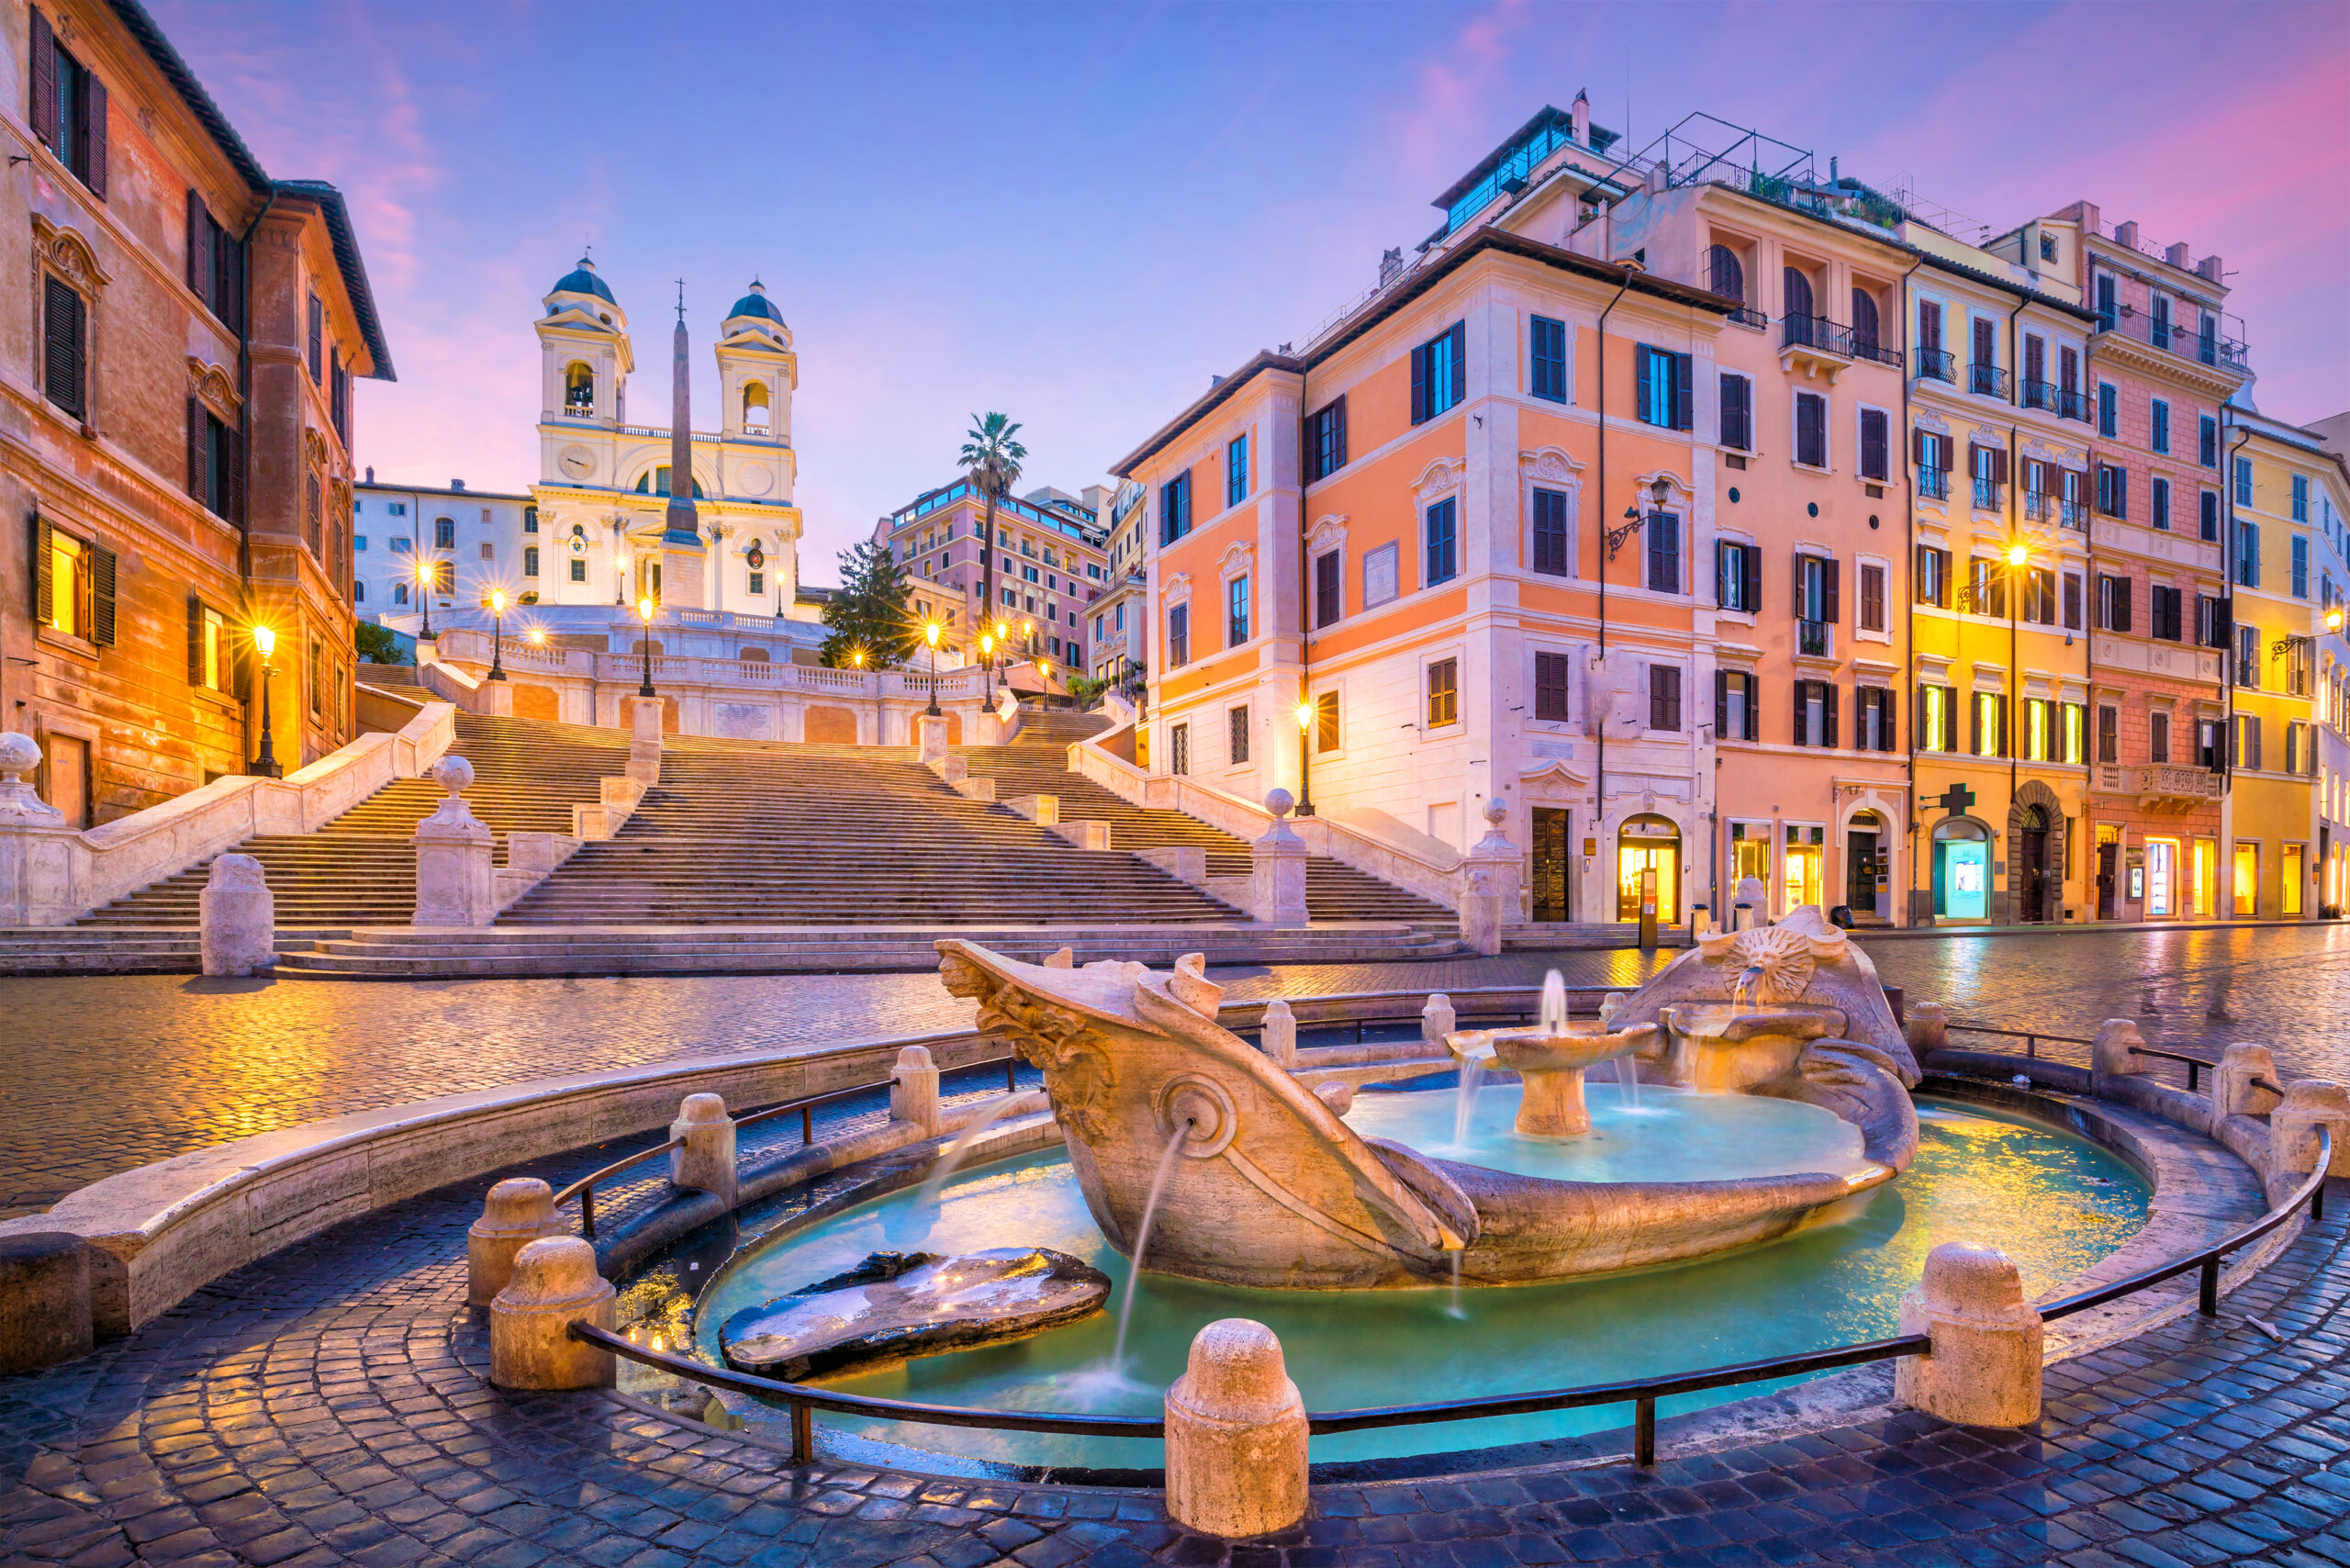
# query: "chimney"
(2209, 267)
(1656, 179)
(2176, 255)
(2126, 234)
(456, 483)
(371, 472)
(1834, 178)
(1581, 115)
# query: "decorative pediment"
(66, 253)
(1555, 782)
(1676, 489)
(1551, 463)
(1438, 478)
(1178, 589)
(1237, 558)
(1926, 419)
(1329, 533)
(211, 386)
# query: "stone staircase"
(1037, 763)
(746, 834)
(360, 870)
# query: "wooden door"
(68, 786)
(1550, 873)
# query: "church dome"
(582, 279)
(756, 303)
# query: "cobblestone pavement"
(103, 1074)
(327, 1406)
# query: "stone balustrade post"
(1927, 1028)
(644, 717)
(1983, 1368)
(45, 1314)
(517, 1212)
(705, 1161)
(930, 739)
(530, 1346)
(913, 1089)
(2112, 1055)
(456, 884)
(2309, 1103)
(238, 917)
(1235, 1435)
(1280, 1034)
(1436, 1020)
(42, 860)
(1490, 874)
(2232, 1092)
(1277, 869)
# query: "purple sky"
(1077, 214)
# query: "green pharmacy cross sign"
(1954, 800)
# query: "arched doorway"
(1649, 843)
(2028, 877)
(1868, 866)
(1961, 871)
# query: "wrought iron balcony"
(1936, 364)
(2071, 404)
(2074, 515)
(2206, 346)
(1987, 381)
(1747, 316)
(1934, 484)
(1987, 493)
(2040, 394)
(1813, 640)
(2038, 506)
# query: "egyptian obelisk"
(681, 540)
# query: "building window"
(1738, 576)
(1933, 577)
(1326, 722)
(1235, 471)
(2157, 737)
(1664, 696)
(1876, 451)
(1664, 553)
(1179, 636)
(1325, 441)
(2208, 516)
(2165, 612)
(579, 570)
(1175, 507)
(1443, 556)
(69, 108)
(2301, 498)
(1937, 719)
(1547, 356)
(1872, 596)
(531, 561)
(1550, 553)
(2301, 565)
(529, 520)
(2243, 742)
(1661, 381)
(2108, 409)
(1990, 724)
(1735, 716)
(444, 534)
(1818, 591)
(489, 551)
(1814, 714)
(2112, 490)
(1986, 592)
(1444, 692)
(1438, 375)
(1811, 430)
(1738, 412)
(2109, 734)
(2247, 563)
(1328, 596)
(2160, 438)
(2160, 509)
(1872, 723)
(1235, 612)
(1236, 723)
(2073, 605)
(65, 344)
(1179, 749)
(399, 590)
(1552, 674)
(2113, 604)
(318, 341)
(2248, 656)
(2243, 481)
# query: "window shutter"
(1918, 447)
(1721, 705)
(196, 449)
(94, 133)
(1999, 464)
(203, 234)
(232, 483)
(194, 641)
(102, 565)
(2121, 604)
(232, 280)
(1801, 689)
(1752, 554)
(193, 226)
(1419, 385)
(1722, 549)
(44, 108)
(1795, 581)
(1753, 707)
(1833, 571)
(1459, 387)
(44, 582)
(1684, 401)
(1640, 352)
(1827, 712)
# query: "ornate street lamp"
(428, 577)
(930, 635)
(497, 635)
(265, 765)
(645, 613)
(1304, 756)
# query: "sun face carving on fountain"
(1782, 959)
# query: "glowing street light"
(497, 635)
(265, 766)
(644, 608)
(1304, 756)
(428, 577)
(930, 635)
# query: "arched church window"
(756, 413)
(657, 483)
(579, 388)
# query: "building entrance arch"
(1649, 843)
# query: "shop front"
(1649, 843)
(1961, 870)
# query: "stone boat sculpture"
(1267, 1186)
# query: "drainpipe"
(2089, 683)
(245, 441)
(1909, 567)
(1305, 605)
(1599, 766)
(2223, 874)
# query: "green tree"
(993, 459)
(869, 613)
(376, 643)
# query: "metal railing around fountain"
(585, 1188)
(2031, 1037)
(1641, 1393)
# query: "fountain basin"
(1722, 1048)
(1550, 1064)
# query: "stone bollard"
(705, 1161)
(44, 864)
(644, 717)
(2309, 1104)
(1235, 1435)
(2232, 1093)
(456, 882)
(1984, 1369)
(930, 739)
(44, 1299)
(530, 1346)
(1276, 868)
(238, 917)
(517, 1212)
(913, 1089)
(2112, 1054)
(1490, 874)
(1280, 1034)
(1436, 1020)
(1927, 1028)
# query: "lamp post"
(428, 577)
(1304, 756)
(645, 613)
(265, 765)
(1044, 682)
(995, 669)
(930, 635)
(497, 635)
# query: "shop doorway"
(2162, 877)
(1867, 874)
(1961, 870)
(2247, 882)
(1807, 882)
(1550, 865)
(2029, 875)
(1649, 843)
(2289, 875)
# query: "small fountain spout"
(1743, 989)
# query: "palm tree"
(993, 460)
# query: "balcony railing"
(1747, 316)
(2074, 515)
(2072, 404)
(1813, 332)
(2040, 394)
(2205, 347)
(1936, 364)
(1987, 381)
(1934, 484)
(1812, 639)
(2038, 506)
(1987, 493)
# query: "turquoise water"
(2055, 1203)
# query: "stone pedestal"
(642, 717)
(456, 882)
(930, 738)
(1927, 1028)
(237, 917)
(2309, 1104)
(1984, 1366)
(517, 1210)
(1437, 1021)
(1750, 906)
(1235, 1435)
(1490, 875)
(1280, 1034)
(530, 1343)
(705, 1161)
(44, 1300)
(913, 1089)
(495, 699)
(1045, 810)
(2111, 1054)
(2232, 1093)
(1277, 869)
(42, 858)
